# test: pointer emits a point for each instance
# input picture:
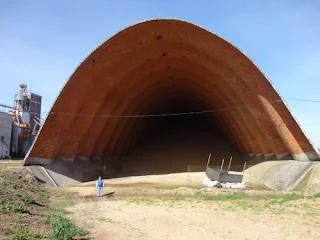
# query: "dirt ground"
(142, 208)
(150, 211)
(27, 200)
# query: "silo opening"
(168, 144)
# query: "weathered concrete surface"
(313, 183)
(66, 173)
(278, 175)
(160, 66)
(40, 174)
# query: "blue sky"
(42, 42)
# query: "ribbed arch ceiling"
(155, 63)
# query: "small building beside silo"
(5, 134)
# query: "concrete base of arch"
(267, 173)
(37, 161)
(270, 156)
(284, 156)
(84, 158)
(307, 156)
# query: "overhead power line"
(178, 113)
(304, 100)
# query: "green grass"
(44, 194)
(103, 219)
(143, 201)
(16, 220)
(275, 204)
(241, 196)
(156, 200)
(198, 193)
(179, 198)
(243, 201)
(63, 228)
(289, 197)
(224, 197)
(317, 195)
(12, 207)
(27, 199)
(24, 234)
(18, 195)
(22, 197)
(61, 207)
(4, 229)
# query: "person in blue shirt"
(100, 185)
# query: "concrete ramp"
(277, 175)
(313, 181)
(64, 173)
(52, 175)
(41, 174)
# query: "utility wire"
(304, 100)
(177, 114)
(157, 115)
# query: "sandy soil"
(120, 220)
(146, 211)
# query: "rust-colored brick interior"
(168, 66)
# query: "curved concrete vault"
(162, 66)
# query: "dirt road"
(149, 212)
(120, 220)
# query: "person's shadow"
(110, 194)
